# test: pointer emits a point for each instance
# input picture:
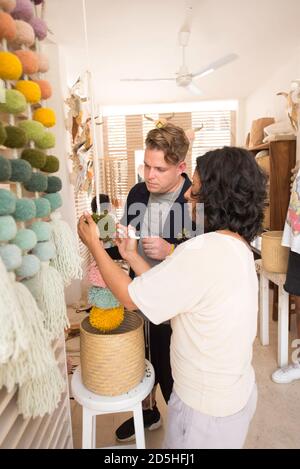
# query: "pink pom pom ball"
(39, 27)
(43, 63)
(8, 5)
(94, 276)
(8, 29)
(46, 89)
(23, 11)
(25, 34)
(29, 61)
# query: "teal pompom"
(5, 169)
(16, 138)
(102, 298)
(45, 141)
(29, 267)
(25, 239)
(54, 184)
(54, 199)
(7, 202)
(33, 129)
(44, 251)
(14, 103)
(21, 170)
(43, 207)
(25, 210)
(42, 230)
(36, 158)
(3, 134)
(8, 228)
(11, 256)
(51, 165)
(37, 183)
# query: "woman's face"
(192, 195)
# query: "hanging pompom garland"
(33, 129)
(21, 171)
(25, 210)
(45, 141)
(39, 27)
(44, 250)
(54, 184)
(8, 27)
(14, 103)
(43, 63)
(3, 134)
(25, 238)
(8, 202)
(37, 183)
(29, 61)
(42, 230)
(30, 266)
(8, 228)
(8, 5)
(16, 137)
(36, 158)
(55, 200)
(11, 256)
(30, 90)
(43, 207)
(45, 116)
(51, 165)
(10, 66)
(24, 35)
(5, 169)
(23, 10)
(45, 87)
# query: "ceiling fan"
(183, 77)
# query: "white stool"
(95, 404)
(283, 312)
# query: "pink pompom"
(8, 5)
(40, 27)
(24, 35)
(8, 29)
(94, 276)
(43, 63)
(46, 89)
(29, 61)
(23, 11)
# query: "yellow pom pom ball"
(10, 66)
(106, 319)
(45, 116)
(30, 90)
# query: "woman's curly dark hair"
(233, 190)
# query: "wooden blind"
(83, 204)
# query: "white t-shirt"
(208, 288)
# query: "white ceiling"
(139, 38)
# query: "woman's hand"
(126, 241)
(87, 231)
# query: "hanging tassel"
(47, 288)
(67, 260)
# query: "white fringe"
(67, 260)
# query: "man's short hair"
(103, 199)
(171, 140)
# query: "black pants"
(292, 283)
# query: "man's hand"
(88, 231)
(126, 241)
(156, 248)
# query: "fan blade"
(147, 79)
(193, 88)
(214, 65)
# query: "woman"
(208, 289)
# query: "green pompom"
(16, 138)
(11, 256)
(25, 239)
(3, 134)
(54, 184)
(44, 251)
(33, 129)
(43, 207)
(7, 202)
(54, 199)
(8, 228)
(36, 158)
(42, 230)
(37, 183)
(45, 141)
(5, 169)
(25, 210)
(21, 170)
(15, 102)
(51, 165)
(29, 267)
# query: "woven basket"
(274, 256)
(113, 363)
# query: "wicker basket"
(274, 256)
(112, 363)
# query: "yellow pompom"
(10, 66)
(106, 319)
(30, 90)
(45, 116)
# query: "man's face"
(160, 176)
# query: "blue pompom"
(8, 228)
(29, 267)
(11, 256)
(54, 199)
(42, 230)
(102, 298)
(44, 251)
(7, 202)
(25, 239)
(43, 207)
(25, 210)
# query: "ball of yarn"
(47, 140)
(32, 129)
(43, 63)
(16, 137)
(54, 184)
(106, 319)
(11, 256)
(10, 66)
(23, 10)
(39, 27)
(25, 239)
(102, 298)
(43, 207)
(3, 134)
(37, 183)
(55, 200)
(36, 158)
(45, 116)
(51, 165)
(30, 90)
(24, 35)
(44, 251)
(29, 61)
(25, 210)
(42, 230)
(94, 276)
(8, 228)
(7, 202)
(5, 169)
(8, 28)
(14, 101)
(8, 5)
(21, 170)
(30, 265)
(45, 87)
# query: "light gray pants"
(189, 428)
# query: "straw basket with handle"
(274, 255)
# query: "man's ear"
(182, 166)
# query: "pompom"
(29, 61)
(24, 35)
(10, 66)
(39, 27)
(21, 170)
(5, 169)
(46, 88)
(30, 90)
(94, 276)
(7, 202)
(3, 134)
(43, 207)
(8, 28)
(25, 239)
(106, 319)
(51, 165)
(45, 116)
(102, 298)
(54, 199)
(44, 251)
(46, 141)
(8, 228)
(43, 63)
(37, 183)
(16, 137)
(25, 210)
(54, 184)
(8, 5)
(14, 101)
(42, 230)
(11, 256)
(36, 158)
(30, 265)
(32, 129)
(23, 10)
